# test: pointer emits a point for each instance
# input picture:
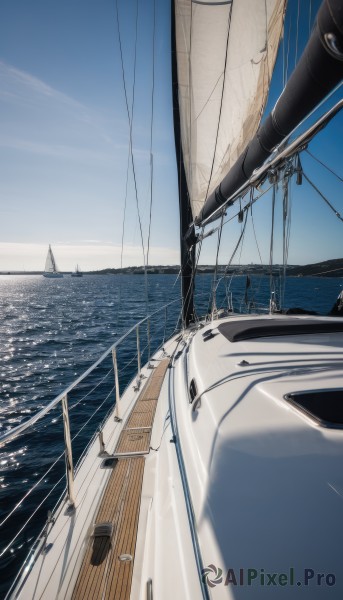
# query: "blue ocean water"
(51, 331)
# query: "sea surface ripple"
(51, 331)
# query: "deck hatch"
(323, 406)
(248, 329)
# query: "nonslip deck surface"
(103, 575)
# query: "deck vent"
(109, 463)
(323, 406)
(103, 529)
(193, 390)
(209, 334)
(102, 542)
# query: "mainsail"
(225, 55)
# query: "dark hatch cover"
(248, 329)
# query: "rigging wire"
(130, 121)
(194, 270)
(272, 241)
(39, 481)
(209, 97)
(281, 146)
(246, 207)
(323, 197)
(258, 288)
(283, 59)
(221, 100)
(128, 157)
(253, 225)
(256, 291)
(124, 213)
(267, 50)
(234, 251)
(151, 126)
(241, 249)
(240, 239)
(286, 228)
(309, 18)
(250, 204)
(288, 48)
(324, 165)
(297, 36)
(70, 408)
(190, 184)
(214, 287)
(123, 235)
(9, 545)
(18, 505)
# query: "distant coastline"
(327, 268)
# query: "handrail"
(15, 431)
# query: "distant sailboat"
(51, 270)
(77, 272)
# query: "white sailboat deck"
(266, 477)
(103, 573)
(73, 563)
(227, 472)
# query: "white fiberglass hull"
(242, 491)
(264, 474)
(53, 275)
(162, 517)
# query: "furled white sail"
(225, 55)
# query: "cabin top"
(282, 355)
(246, 329)
(262, 435)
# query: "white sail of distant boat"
(51, 271)
(77, 272)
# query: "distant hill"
(328, 268)
(152, 270)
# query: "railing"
(106, 390)
(142, 331)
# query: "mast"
(319, 70)
(187, 252)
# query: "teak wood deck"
(107, 567)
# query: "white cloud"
(16, 81)
(22, 93)
(64, 151)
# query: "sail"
(50, 263)
(225, 55)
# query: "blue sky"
(64, 142)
